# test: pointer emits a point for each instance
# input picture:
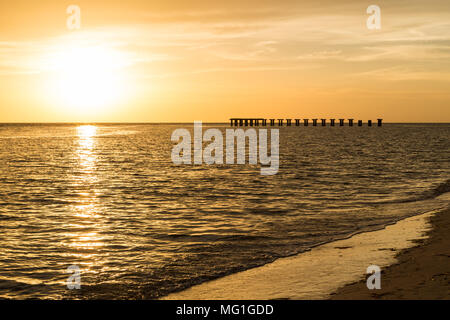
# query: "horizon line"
(178, 122)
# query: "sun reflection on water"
(87, 131)
(85, 152)
(86, 213)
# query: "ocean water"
(108, 199)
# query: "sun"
(88, 79)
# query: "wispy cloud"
(241, 37)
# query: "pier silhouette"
(245, 122)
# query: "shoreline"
(421, 272)
(318, 273)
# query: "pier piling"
(380, 122)
(240, 122)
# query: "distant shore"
(318, 273)
(422, 272)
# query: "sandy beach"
(422, 272)
(413, 255)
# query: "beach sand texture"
(421, 272)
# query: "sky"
(180, 61)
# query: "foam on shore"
(316, 273)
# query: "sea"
(104, 205)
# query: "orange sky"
(170, 61)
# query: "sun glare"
(88, 79)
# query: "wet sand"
(422, 272)
(319, 272)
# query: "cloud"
(404, 73)
(202, 35)
(321, 55)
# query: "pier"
(256, 122)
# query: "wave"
(441, 189)
(432, 193)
